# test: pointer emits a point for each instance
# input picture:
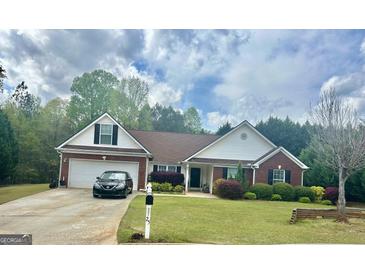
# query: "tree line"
(30, 131)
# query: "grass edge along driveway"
(217, 221)
(13, 192)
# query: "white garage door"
(83, 173)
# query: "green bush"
(249, 196)
(155, 186)
(262, 191)
(304, 191)
(305, 200)
(326, 202)
(179, 188)
(318, 192)
(276, 197)
(215, 185)
(165, 187)
(285, 190)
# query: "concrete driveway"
(64, 216)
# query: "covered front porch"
(198, 177)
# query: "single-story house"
(105, 144)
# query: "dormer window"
(106, 134)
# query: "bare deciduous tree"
(339, 137)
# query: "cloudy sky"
(226, 74)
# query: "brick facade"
(140, 160)
(273, 163)
(262, 172)
(217, 173)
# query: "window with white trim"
(278, 175)
(231, 172)
(106, 134)
(167, 168)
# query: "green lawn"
(9, 193)
(217, 221)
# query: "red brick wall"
(217, 173)
(272, 163)
(140, 160)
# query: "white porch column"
(253, 176)
(211, 180)
(186, 177)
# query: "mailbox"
(149, 200)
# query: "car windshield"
(113, 176)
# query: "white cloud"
(216, 119)
(362, 47)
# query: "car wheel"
(95, 196)
(130, 192)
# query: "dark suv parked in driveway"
(113, 184)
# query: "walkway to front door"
(195, 177)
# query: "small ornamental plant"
(326, 202)
(215, 185)
(165, 187)
(179, 188)
(318, 192)
(276, 197)
(305, 200)
(249, 196)
(331, 194)
(155, 186)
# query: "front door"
(195, 177)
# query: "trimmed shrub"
(304, 191)
(215, 185)
(165, 187)
(331, 193)
(174, 178)
(230, 189)
(318, 192)
(179, 188)
(249, 196)
(326, 202)
(305, 200)
(262, 191)
(155, 186)
(276, 197)
(285, 190)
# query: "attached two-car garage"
(83, 172)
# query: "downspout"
(253, 174)
(60, 169)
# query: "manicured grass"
(9, 193)
(217, 221)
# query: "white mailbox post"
(149, 203)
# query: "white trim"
(287, 153)
(101, 152)
(211, 180)
(146, 175)
(186, 177)
(94, 122)
(253, 176)
(273, 181)
(245, 122)
(111, 135)
(60, 169)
